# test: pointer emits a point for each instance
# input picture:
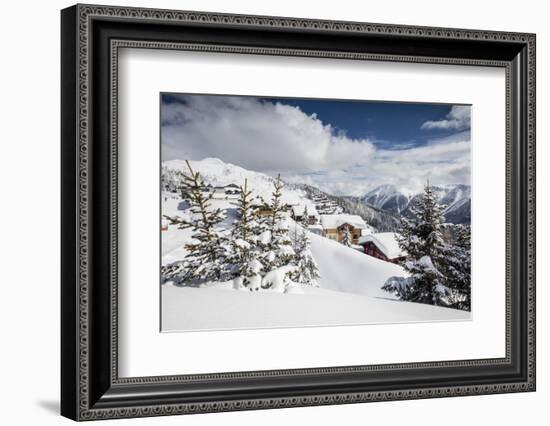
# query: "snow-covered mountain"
(218, 173)
(388, 198)
(455, 198)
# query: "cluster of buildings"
(336, 226)
(228, 191)
(325, 205)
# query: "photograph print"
(291, 212)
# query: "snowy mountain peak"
(387, 197)
(384, 189)
(455, 198)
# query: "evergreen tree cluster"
(439, 269)
(257, 253)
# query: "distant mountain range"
(380, 219)
(456, 200)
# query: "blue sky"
(389, 125)
(343, 147)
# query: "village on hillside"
(323, 217)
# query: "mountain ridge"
(455, 199)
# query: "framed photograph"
(263, 212)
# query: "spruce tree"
(457, 268)
(305, 217)
(307, 271)
(422, 236)
(422, 239)
(428, 283)
(244, 241)
(208, 249)
(275, 239)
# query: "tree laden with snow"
(307, 271)
(346, 237)
(422, 239)
(206, 259)
(305, 218)
(244, 242)
(243, 226)
(425, 284)
(275, 239)
(457, 269)
(423, 235)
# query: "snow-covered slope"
(217, 173)
(184, 308)
(349, 294)
(348, 270)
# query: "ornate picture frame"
(91, 37)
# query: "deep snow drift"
(195, 309)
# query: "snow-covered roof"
(386, 243)
(298, 210)
(367, 231)
(336, 220)
(258, 202)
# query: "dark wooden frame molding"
(91, 37)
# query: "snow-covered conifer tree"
(426, 284)
(457, 268)
(307, 271)
(275, 238)
(305, 217)
(242, 227)
(423, 236)
(206, 259)
(422, 239)
(245, 253)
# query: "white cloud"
(257, 135)
(443, 162)
(457, 119)
(276, 138)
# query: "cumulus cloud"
(457, 119)
(258, 135)
(277, 138)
